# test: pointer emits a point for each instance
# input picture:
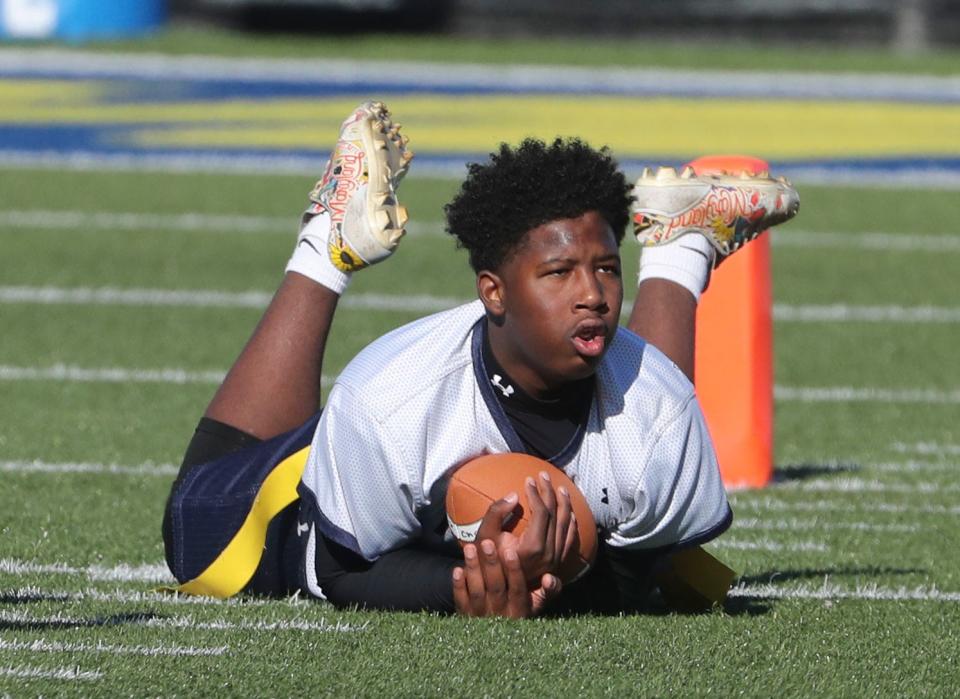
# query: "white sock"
(686, 261)
(311, 258)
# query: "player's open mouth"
(590, 339)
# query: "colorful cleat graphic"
(358, 189)
(729, 209)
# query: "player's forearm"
(403, 580)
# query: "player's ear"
(490, 290)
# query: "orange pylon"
(734, 351)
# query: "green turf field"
(584, 51)
(850, 581)
(125, 296)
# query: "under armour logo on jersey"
(302, 527)
(507, 391)
(606, 498)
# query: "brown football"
(485, 479)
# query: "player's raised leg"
(688, 224)
(353, 220)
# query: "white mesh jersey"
(416, 403)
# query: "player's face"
(555, 303)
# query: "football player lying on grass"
(347, 504)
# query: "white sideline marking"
(124, 572)
(60, 673)
(246, 223)
(36, 466)
(768, 545)
(523, 77)
(44, 646)
(851, 394)
(776, 505)
(188, 622)
(425, 303)
(860, 485)
(828, 590)
(927, 448)
(798, 524)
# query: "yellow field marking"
(631, 126)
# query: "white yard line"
(844, 313)
(198, 222)
(137, 596)
(108, 296)
(44, 646)
(188, 622)
(769, 545)
(190, 222)
(108, 220)
(927, 448)
(205, 298)
(424, 303)
(852, 394)
(60, 673)
(869, 240)
(783, 473)
(913, 467)
(63, 372)
(165, 470)
(294, 625)
(772, 504)
(861, 485)
(124, 572)
(37, 466)
(784, 394)
(831, 591)
(794, 524)
(510, 78)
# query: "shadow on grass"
(802, 472)
(27, 596)
(68, 623)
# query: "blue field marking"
(76, 109)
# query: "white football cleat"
(729, 209)
(359, 190)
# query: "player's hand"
(551, 532)
(493, 583)
(497, 516)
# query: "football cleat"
(359, 189)
(729, 209)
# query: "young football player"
(347, 504)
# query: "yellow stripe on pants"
(236, 564)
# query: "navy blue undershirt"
(546, 427)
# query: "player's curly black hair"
(523, 188)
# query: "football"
(485, 479)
